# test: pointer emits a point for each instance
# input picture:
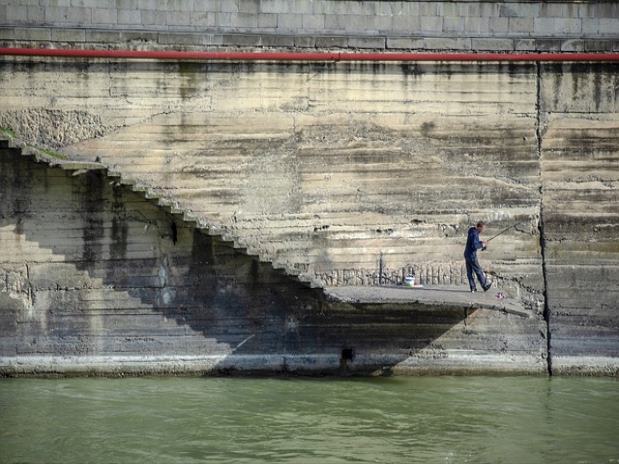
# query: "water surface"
(392, 420)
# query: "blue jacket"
(472, 244)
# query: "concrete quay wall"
(339, 171)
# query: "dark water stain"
(189, 72)
(120, 228)
(91, 191)
(427, 128)
(597, 89)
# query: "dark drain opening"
(348, 354)
(174, 231)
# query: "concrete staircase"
(170, 205)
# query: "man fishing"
(473, 243)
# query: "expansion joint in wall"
(542, 239)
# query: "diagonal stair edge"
(56, 159)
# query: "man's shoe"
(487, 287)
(473, 290)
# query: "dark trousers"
(472, 265)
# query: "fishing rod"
(505, 230)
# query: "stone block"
(406, 24)
(304, 41)
(429, 9)
(174, 18)
(598, 45)
(128, 4)
(557, 10)
(171, 38)
(32, 33)
(430, 24)
(198, 20)
(446, 43)
(447, 9)
(403, 43)
(337, 22)
(249, 6)
(104, 16)
(544, 26)
(331, 42)
(489, 10)
(609, 26)
(103, 36)
(553, 45)
(366, 42)
(492, 44)
(7, 33)
(289, 22)
(141, 36)
(267, 20)
(209, 6)
(303, 6)
(473, 24)
(17, 14)
(313, 21)
(524, 44)
(132, 17)
(155, 4)
(498, 25)
(214, 39)
(607, 9)
(573, 45)
(567, 26)
(244, 20)
(94, 3)
(220, 20)
(68, 35)
(590, 26)
(275, 6)
(383, 23)
(159, 18)
(453, 24)
(524, 10)
(389, 8)
(277, 40)
(180, 5)
(521, 25)
(227, 6)
(242, 40)
(470, 9)
(36, 14)
(331, 8)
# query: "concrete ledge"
(420, 363)
(585, 365)
(440, 297)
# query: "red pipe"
(309, 56)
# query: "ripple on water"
(422, 419)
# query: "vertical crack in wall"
(542, 240)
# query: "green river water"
(248, 420)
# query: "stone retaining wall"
(395, 25)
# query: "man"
(473, 243)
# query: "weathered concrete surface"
(321, 168)
(96, 280)
(580, 172)
(567, 25)
(283, 159)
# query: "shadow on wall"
(89, 268)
